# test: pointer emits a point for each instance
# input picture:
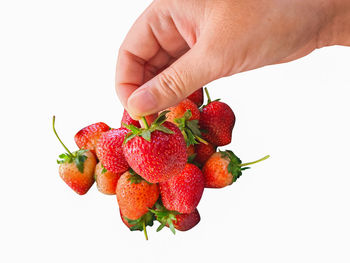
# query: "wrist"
(336, 24)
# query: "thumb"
(175, 83)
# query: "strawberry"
(106, 181)
(128, 120)
(76, 169)
(185, 222)
(139, 224)
(183, 191)
(175, 220)
(88, 137)
(156, 152)
(224, 168)
(189, 129)
(190, 151)
(135, 195)
(203, 152)
(109, 150)
(217, 121)
(179, 110)
(186, 116)
(197, 97)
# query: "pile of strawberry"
(158, 172)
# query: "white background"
(58, 57)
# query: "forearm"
(336, 30)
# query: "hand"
(177, 46)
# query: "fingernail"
(142, 102)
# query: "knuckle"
(171, 83)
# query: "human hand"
(175, 47)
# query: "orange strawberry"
(76, 169)
(179, 110)
(106, 181)
(135, 195)
(224, 168)
(186, 116)
(88, 137)
(139, 224)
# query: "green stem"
(54, 130)
(201, 139)
(144, 229)
(144, 121)
(207, 93)
(261, 159)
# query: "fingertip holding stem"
(142, 102)
(144, 122)
(148, 119)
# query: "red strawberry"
(203, 152)
(179, 110)
(217, 121)
(139, 224)
(185, 222)
(128, 120)
(175, 220)
(224, 168)
(77, 168)
(157, 152)
(88, 137)
(135, 196)
(197, 97)
(183, 192)
(106, 181)
(190, 151)
(109, 150)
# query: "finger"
(156, 64)
(153, 34)
(172, 85)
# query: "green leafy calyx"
(165, 217)
(78, 157)
(235, 166)
(141, 223)
(136, 178)
(190, 129)
(146, 132)
(104, 170)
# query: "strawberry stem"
(261, 159)
(144, 121)
(207, 93)
(144, 229)
(201, 140)
(54, 130)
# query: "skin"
(177, 46)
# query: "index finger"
(139, 46)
